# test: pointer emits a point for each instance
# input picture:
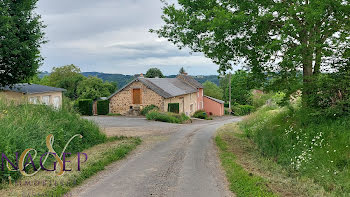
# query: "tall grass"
(312, 146)
(26, 126)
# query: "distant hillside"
(122, 80)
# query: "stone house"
(34, 94)
(141, 92)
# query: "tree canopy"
(94, 88)
(21, 34)
(78, 86)
(153, 73)
(266, 36)
(67, 77)
(212, 90)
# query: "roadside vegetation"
(148, 108)
(307, 146)
(201, 114)
(99, 157)
(27, 126)
(167, 117)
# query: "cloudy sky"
(112, 36)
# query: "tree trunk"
(307, 79)
(317, 69)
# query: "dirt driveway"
(183, 163)
(132, 126)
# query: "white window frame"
(44, 101)
(56, 105)
(33, 100)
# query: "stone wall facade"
(122, 102)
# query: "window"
(33, 100)
(136, 96)
(191, 108)
(45, 100)
(56, 102)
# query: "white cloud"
(112, 36)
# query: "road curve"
(184, 165)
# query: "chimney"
(141, 75)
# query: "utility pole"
(229, 79)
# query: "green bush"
(27, 126)
(85, 107)
(201, 114)
(259, 100)
(148, 108)
(242, 110)
(103, 107)
(167, 117)
(174, 107)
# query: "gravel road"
(185, 164)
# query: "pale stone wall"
(185, 102)
(122, 101)
(20, 97)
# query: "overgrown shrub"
(174, 107)
(242, 110)
(260, 99)
(307, 146)
(85, 107)
(201, 114)
(103, 107)
(167, 117)
(27, 126)
(148, 108)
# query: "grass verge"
(98, 158)
(250, 174)
(242, 183)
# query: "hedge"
(241, 110)
(103, 107)
(148, 108)
(174, 107)
(167, 117)
(85, 107)
(201, 114)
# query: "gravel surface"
(183, 164)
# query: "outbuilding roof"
(26, 88)
(165, 87)
(214, 99)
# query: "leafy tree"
(212, 90)
(240, 87)
(182, 70)
(94, 88)
(67, 77)
(153, 73)
(20, 38)
(270, 36)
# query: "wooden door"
(136, 96)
